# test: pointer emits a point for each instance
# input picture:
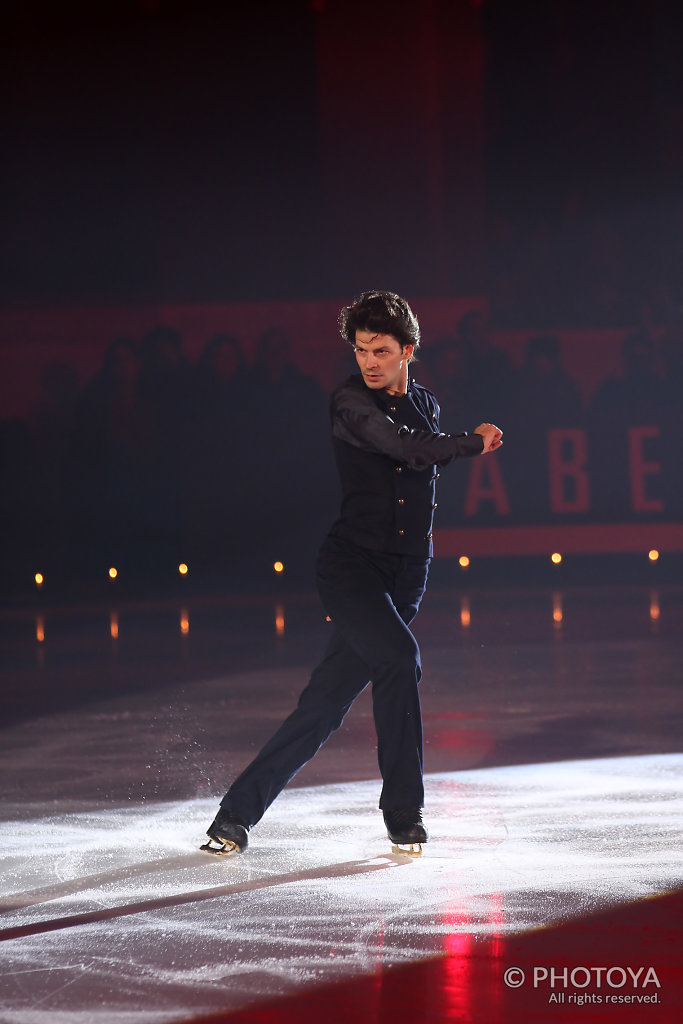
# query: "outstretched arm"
(357, 420)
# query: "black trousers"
(371, 599)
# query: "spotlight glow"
(558, 612)
(556, 557)
(184, 621)
(653, 555)
(465, 615)
(279, 620)
(40, 629)
(182, 569)
(39, 579)
(113, 573)
(463, 561)
(278, 567)
(114, 625)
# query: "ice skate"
(227, 834)
(406, 831)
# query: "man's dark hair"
(382, 313)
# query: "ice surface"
(112, 914)
(118, 751)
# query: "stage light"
(39, 579)
(113, 573)
(182, 569)
(556, 557)
(278, 567)
(653, 555)
(463, 561)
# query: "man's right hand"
(492, 436)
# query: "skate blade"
(220, 848)
(408, 849)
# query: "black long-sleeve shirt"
(387, 448)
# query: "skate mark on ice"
(344, 870)
(34, 897)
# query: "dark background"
(161, 153)
(191, 151)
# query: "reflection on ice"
(118, 910)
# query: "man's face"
(382, 360)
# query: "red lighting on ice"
(462, 981)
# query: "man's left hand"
(492, 436)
